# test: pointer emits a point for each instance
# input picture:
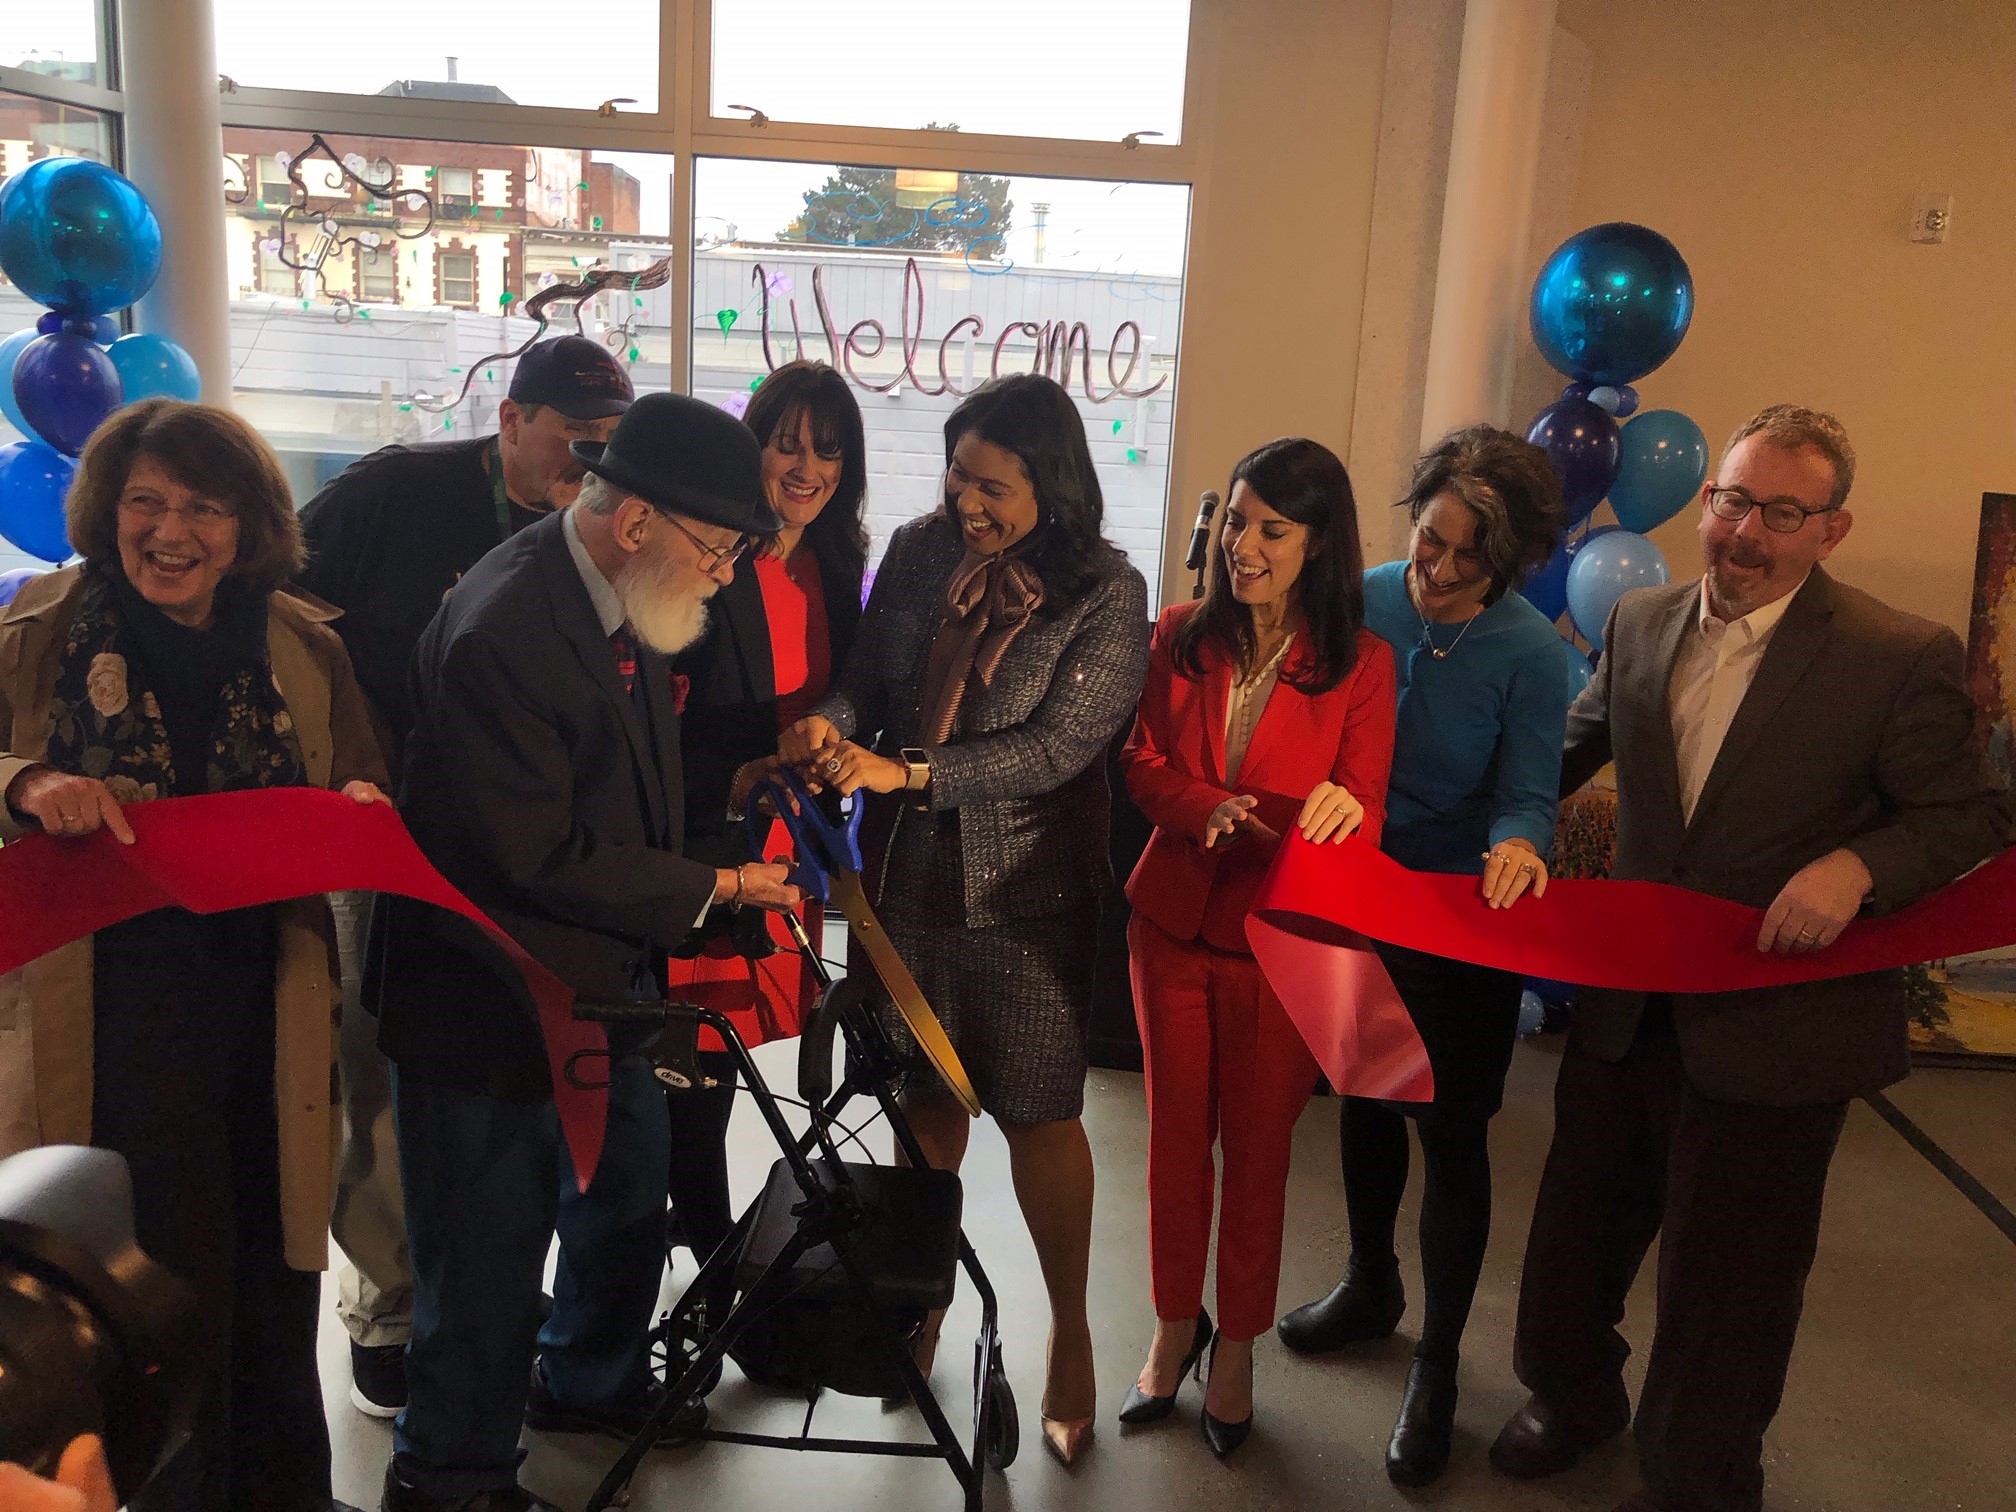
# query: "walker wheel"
(1003, 1437)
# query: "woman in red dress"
(1268, 707)
(774, 637)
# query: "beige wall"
(1780, 146)
(1279, 238)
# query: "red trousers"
(1224, 1065)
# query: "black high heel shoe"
(1222, 1437)
(1140, 1407)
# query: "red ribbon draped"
(238, 850)
(1322, 905)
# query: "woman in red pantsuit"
(1267, 705)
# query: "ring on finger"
(833, 763)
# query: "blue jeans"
(487, 1182)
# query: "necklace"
(1243, 717)
(1440, 653)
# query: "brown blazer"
(1856, 732)
(45, 1007)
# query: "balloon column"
(1610, 305)
(79, 238)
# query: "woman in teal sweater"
(1483, 690)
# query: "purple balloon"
(13, 582)
(34, 478)
(66, 385)
(1581, 441)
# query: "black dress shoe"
(1140, 1407)
(1418, 1451)
(400, 1496)
(1365, 1305)
(1537, 1441)
(545, 1413)
(1222, 1437)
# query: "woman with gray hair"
(1476, 770)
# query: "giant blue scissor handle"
(823, 847)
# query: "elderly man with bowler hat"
(387, 538)
(1788, 742)
(543, 779)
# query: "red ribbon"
(237, 850)
(1322, 905)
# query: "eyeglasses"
(202, 514)
(1785, 516)
(712, 558)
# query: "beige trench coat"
(46, 1007)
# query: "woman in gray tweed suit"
(1003, 646)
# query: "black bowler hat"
(580, 378)
(684, 456)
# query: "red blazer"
(1175, 769)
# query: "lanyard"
(497, 494)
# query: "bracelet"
(735, 903)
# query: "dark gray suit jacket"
(548, 795)
(1856, 732)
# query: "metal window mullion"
(504, 125)
(972, 152)
(684, 59)
(24, 81)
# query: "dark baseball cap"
(580, 378)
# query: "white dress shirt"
(1717, 663)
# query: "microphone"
(1200, 533)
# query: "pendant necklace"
(1440, 653)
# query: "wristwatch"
(918, 764)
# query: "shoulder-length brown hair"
(208, 450)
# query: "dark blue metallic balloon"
(1547, 588)
(77, 236)
(65, 385)
(1612, 303)
(34, 479)
(1581, 441)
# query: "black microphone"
(1200, 533)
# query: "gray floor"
(1902, 1398)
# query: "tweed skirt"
(1015, 1000)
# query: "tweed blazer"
(1025, 768)
(1856, 733)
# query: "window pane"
(503, 52)
(917, 63)
(967, 277)
(365, 295)
(54, 37)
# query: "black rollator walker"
(837, 1264)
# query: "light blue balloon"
(10, 353)
(1580, 672)
(1606, 568)
(153, 367)
(1665, 461)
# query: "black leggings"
(1455, 1208)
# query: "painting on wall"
(1965, 1008)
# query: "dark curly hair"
(1303, 481)
(1510, 486)
(819, 392)
(1033, 417)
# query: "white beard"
(665, 618)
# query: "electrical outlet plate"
(1931, 217)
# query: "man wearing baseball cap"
(386, 541)
(543, 777)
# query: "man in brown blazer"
(1787, 742)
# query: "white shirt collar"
(601, 592)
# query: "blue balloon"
(13, 582)
(1581, 441)
(1665, 461)
(153, 367)
(1611, 303)
(1580, 671)
(1547, 588)
(34, 478)
(77, 236)
(1608, 566)
(10, 353)
(1550, 991)
(106, 329)
(66, 386)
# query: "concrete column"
(175, 153)
(1487, 211)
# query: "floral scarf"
(103, 725)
